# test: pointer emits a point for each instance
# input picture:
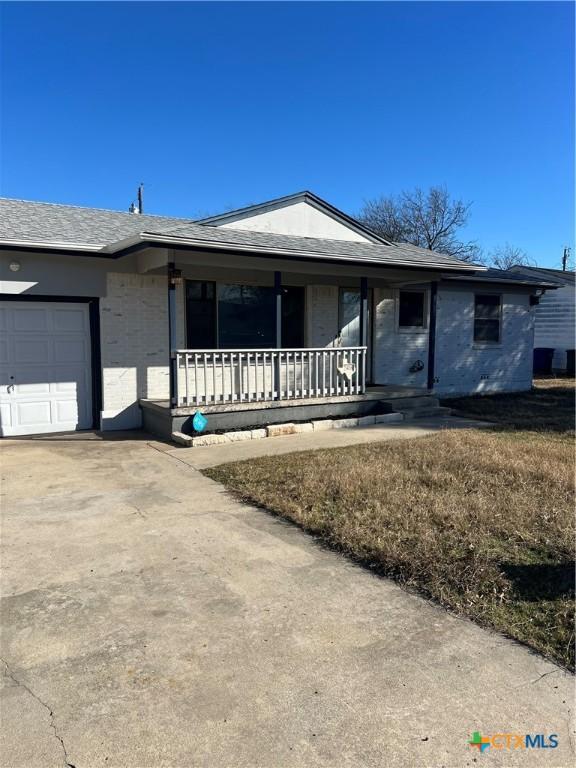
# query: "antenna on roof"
(565, 259)
(139, 206)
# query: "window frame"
(425, 313)
(486, 342)
(217, 284)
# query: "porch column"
(278, 295)
(432, 333)
(363, 311)
(174, 278)
(278, 343)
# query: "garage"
(45, 367)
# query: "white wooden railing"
(209, 377)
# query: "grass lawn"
(481, 521)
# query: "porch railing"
(210, 377)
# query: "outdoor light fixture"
(14, 266)
(175, 277)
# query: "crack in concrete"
(19, 683)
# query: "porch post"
(278, 342)
(432, 333)
(363, 311)
(364, 328)
(173, 280)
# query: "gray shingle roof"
(50, 222)
(506, 276)
(559, 276)
(348, 250)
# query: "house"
(277, 312)
(555, 316)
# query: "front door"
(349, 322)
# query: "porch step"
(425, 413)
(421, 407)
(420, 401)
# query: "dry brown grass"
(479, 521)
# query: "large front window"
(230, 316)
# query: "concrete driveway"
(151, 620)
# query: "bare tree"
(507, 256)
(429, 219)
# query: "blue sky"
(222, 105)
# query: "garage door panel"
(32, 350)
(45, 381)
(5, 415)
(66, 411)
(32, 388)
(33, 319)
(69, 320)
(70, 351)
(36, 413)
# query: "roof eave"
(150, 239)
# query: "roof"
(280, 202)
(34, 225)
(275, 244)
(558, 276)
(51, 222)
(506, 276)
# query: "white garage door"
(45, 369)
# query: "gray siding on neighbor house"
(555, 320)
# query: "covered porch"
(255, 341)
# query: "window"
(487, 316)
(200, 315)
(246, 316)
(411, 309)
(241, 316)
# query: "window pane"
(350, 307)
(487, 330)
(487, 311)
(292, 316)
(411, 310)
(246, 316)
(200, 315)
(487, 305)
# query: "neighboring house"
(271, 313)
(555, 316)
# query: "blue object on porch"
(199, 422)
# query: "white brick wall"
(395, 350)
(321, 315)
(134, 342)
(463, 367)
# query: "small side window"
(487, 317)
(411, 309)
